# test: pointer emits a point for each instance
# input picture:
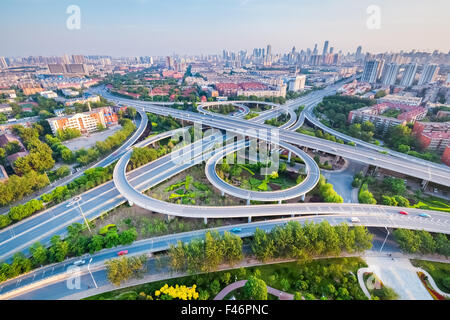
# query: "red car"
(123, 252)
(403, 212)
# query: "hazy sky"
(160, 27)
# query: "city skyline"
(160, 29)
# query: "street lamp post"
(387, 235)
(77, 200)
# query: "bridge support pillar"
(248, 202)
(169, 217)
(249, 219)
(302, 197)
(289, 156)
(375, 170)
(223, 194)
(292, 215)
(279, 201)
(205, 220)
(130, 203)
(424, 184)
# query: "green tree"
(255, 289)
(39, 254)
(124, 268)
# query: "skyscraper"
(409, 74)
(358, 53)
(370, 71)
(428, 74)
(269, 50)
(325, 48)
(390, 74)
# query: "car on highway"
(79, 262)
(403, 213)
(122, 253)
(424, 215)
(354, 220)
(236, 230)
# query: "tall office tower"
(390, 74)
(409, 74)
(331, 50)
(315, 49)
(3, 63)
(325, 48)
(428, 74)
(78, 59)
(170, 63)
(358, 53)
(269, 50)
(225, 54)
(370, 71)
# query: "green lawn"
(438, 270)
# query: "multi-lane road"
(419, 168)
(39, 284)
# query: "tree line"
(206, 255)
(90, 179)
(75, 244)
(296, 241)
(421, 241)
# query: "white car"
(79, 262)
(355, 220)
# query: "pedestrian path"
(239, 284)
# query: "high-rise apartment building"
(390, 74)
(428, 74)
(370, 71)
(409, 74)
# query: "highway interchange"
(129, 186)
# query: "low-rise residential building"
(412, 101)
(5, 108)
(374, 114)
(446, 156)
(12, 158)
(8, 138)
(433, 135)
(85, 122)
(48, 94)
(82, 100)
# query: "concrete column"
(169, 217)
(279, 201)
(248, 202)
(249, 219)
(205, 220)
(302, 197)
(289, 156)
(292, 215)
(223, 194)
(375, 170)
(130, 203)
(424, 184)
